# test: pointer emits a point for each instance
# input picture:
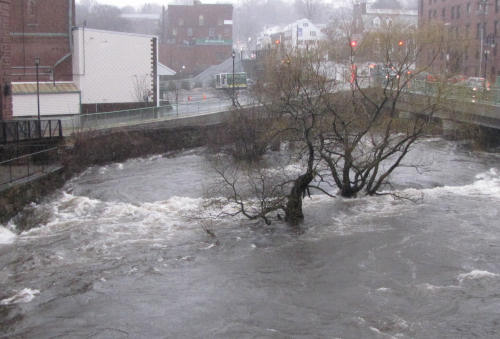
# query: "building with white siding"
(115, 70)
(56, 99)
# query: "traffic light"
(277, 42)
(401, 43)
(354, 43)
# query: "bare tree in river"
(347, 134)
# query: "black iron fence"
(27, 165)
(22, 130)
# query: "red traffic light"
(401, 43)
(354, 43)
(277, 42)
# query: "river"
(119, 253)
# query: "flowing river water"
(119, 253)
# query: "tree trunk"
(293, 211)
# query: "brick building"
(196, 36)
(42, 28)
(5, 91)
(470, 24)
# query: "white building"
(56, 99)
(115, 67)
(366, 18)
(302, 34)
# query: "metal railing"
(25, 166)
(454, 92)
(22, 130)
(116, 119)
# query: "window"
(211, 32)
(174, 31)
(313, 33)
(201, 20)
(468, 9)
(220, 22)
(189, 31)
(181, 22)
(305, 24)
(31, 8)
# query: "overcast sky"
(138, 3)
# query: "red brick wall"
(194, 58)
(5, 100)
(178, 48)
(446, 13)
(40, 28)
(181, 18)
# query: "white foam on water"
(475, 275)
(383, 289)
(6, 236)
(485, 184)
(23, 296)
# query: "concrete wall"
(109, 67)
(50, 104)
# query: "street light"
(233, 56)
(37, 64)
(482, 6)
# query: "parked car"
(456, 79)
(474, 87)
(476, 84)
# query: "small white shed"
(56, 99)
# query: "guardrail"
(22, 130)
(107, 120)
(25, 166)
(457, 93)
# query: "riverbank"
(96, 149)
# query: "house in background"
(194, 37)
(115, 70)
(5, 55)
(302, 34)
(367, 18)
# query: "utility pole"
(234, 102)
(482, 6)
(37, 64)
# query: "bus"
(224, 80)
